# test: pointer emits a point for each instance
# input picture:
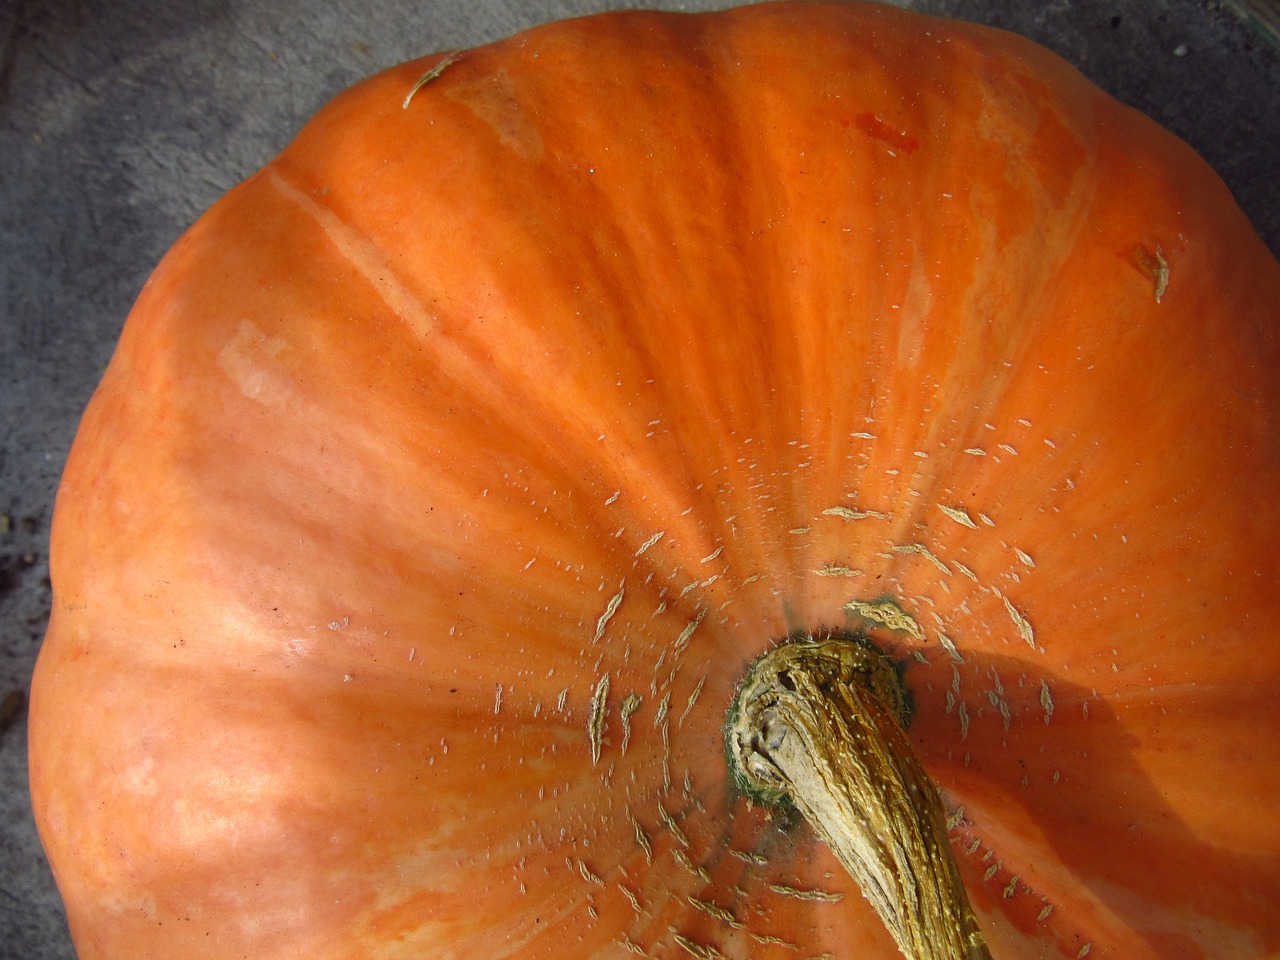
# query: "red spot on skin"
(873, 126)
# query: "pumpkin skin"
(452, 470)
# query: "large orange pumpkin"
(452, 470)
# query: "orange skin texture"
(363, 512)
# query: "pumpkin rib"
(515, 409)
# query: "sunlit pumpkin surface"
(452, 470)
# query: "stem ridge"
(820, 723)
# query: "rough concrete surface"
(121, 120)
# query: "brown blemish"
(1153, 266)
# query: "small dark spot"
(453, 689)
(11, 569)
(11, 708)
(1115, 21)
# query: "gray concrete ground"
(121, 120)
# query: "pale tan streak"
(632, 463)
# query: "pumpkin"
(453, 471)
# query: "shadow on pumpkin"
(1099, 783)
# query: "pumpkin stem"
(820, 723)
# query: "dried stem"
(819, 723)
